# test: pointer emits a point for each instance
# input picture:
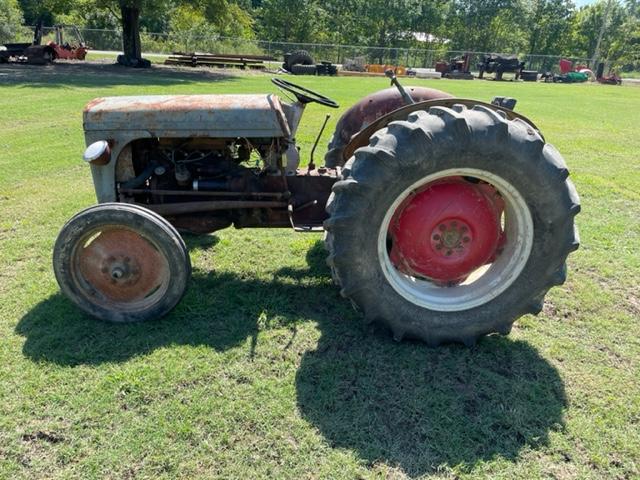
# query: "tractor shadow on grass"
(424, 410)
(220, 310)
(402, 404)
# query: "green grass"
(264, 371)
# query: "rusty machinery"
(41, 54)
(445, 219)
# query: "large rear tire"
(455, 270)
(121, 263)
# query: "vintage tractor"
(445, 219)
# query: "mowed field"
(263, 370)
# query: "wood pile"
(218, 60)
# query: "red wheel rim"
(117, 266)
(447, 229)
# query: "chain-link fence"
(167, 43)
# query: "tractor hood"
(221, 116)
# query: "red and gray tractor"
(445, 219)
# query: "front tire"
(491, 235)
(121, 263)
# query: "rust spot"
(93, 103)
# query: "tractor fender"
(361, 138)
(368, 110)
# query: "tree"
(549, 22)
(589, 36)
(10, 20)
(290, 20)
(129, 13)
(624, 51)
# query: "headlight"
(98, 153)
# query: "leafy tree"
(550, 25)
(290, 20)
(625, 48)
(588, 23)
(10, 20)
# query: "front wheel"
(121, 263)
(452, 224)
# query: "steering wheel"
(304, 95)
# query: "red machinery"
(65, 50)
(37, 53)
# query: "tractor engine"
(180, 177)
(203, 164)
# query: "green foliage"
(290, 20)
(10, 20)
(549, 26)
(542, 27)
(191, 21)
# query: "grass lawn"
(263, 370)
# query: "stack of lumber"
(218, 60)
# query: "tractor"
(445, 219)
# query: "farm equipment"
(445, 219)
(64, 50)
(611, 79)
(569, 73)
(457, 68)
(300, 62)
(243, 62)
(19, 51)
(499, 65)
(36, 53)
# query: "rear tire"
(508, 154)
(121, 263)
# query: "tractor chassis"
(273, 201)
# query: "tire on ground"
(298, 57)
(87, 225)
(428, 142)
(303, 69)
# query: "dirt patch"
(50, 437)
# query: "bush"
(10, 21)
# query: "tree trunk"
(131, 38)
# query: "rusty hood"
(217, 115)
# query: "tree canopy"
(547, 27)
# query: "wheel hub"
(121, 269)
(121, 265)
(446, 230)
(451, 238)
